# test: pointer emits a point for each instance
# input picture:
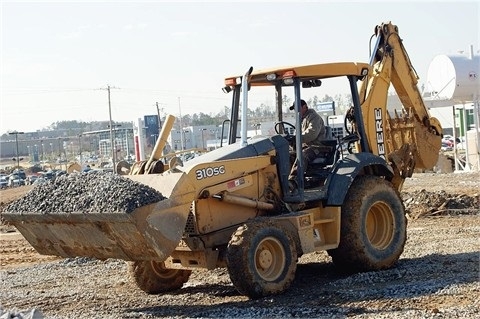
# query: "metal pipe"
(162, 140)
(455, 150)
(465, 130)
(477, 131)
(242, 201)
(245, 80)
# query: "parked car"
(30, 179)
(21, 173)
(39, 181)
(48, 175)
(14, 180)
(3, 182)
(446, 147)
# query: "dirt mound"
(423, 203)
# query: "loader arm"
(411, 139)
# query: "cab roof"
(304, 72)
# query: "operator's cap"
(302, 103)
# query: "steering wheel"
(286, 133)
(283, 124)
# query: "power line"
(28, 91)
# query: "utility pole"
(80, 149)
(16, 142)
(112, 141)
(181, 125)
(203, 139)
(159, 119)
(112, 145)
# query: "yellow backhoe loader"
(232, 207)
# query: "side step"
(326, 228)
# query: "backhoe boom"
(407, 140)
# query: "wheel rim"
(161, 271)
(270, 259)
(380, 225)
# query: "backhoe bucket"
(149, 232)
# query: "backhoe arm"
(411, 139)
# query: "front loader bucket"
(148, 232)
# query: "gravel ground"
(436, 277)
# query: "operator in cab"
(313, 132)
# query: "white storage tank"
(455, 78)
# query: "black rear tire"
(373, 226)
(153, 278)
(262, 259)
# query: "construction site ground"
(436, 277)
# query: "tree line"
(261, 111)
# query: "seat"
(328, 150)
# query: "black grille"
(191, 226)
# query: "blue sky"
(57, 56)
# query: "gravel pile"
(86, 192)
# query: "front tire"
(373, 226)
(261, 259)
(153, 278)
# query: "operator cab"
(291, 84)
(329, 153)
